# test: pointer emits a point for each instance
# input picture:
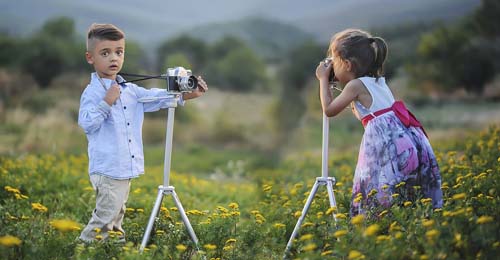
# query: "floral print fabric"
(394, 159)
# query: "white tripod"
(323, 180)
(166, 189)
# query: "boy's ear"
(88, 56)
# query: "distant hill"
(282, 23)
(269, 38)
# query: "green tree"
(464, 54)
(135, 58)
(300, 65)
(241, 70)
(52, 50)
(298, 69)
(195, 51)
(10, 48)
(176, 60)
(487, 18)
(232, 65)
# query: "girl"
(395, 156)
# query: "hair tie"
(372, 40)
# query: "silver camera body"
(180, 79)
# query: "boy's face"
(107, 57)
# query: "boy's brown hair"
(99, 31)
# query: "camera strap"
(141, 77)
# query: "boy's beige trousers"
(111, 196)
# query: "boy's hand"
(112, 94)
(202, 85)
(202, 88)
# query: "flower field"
(45, 201)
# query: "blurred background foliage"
(263, 94)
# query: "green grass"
(252, 217)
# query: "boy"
(112, 117)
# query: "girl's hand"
(323, 70)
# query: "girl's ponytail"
(380, 48)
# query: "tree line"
(462, 54)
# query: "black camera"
(331, 76)
(180, 79)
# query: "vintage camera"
(180, 79)
(331, 77)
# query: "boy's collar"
(96, 79)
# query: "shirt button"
(128, 123)
(133, 156)
(129, 140)
(124, 107)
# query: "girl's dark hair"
(99, 31)
(366, 53)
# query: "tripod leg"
(185, 219)
(301, 218)
(152, 218)
(331, 196)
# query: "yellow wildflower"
(307, 224)
(428, 223)
(371, 230)
(459, 196)
(325, 253)
(38, 207)
(354, 254)
(12, 190)
(382, 238)
(407, 203)
(484, 219)
(233, 205)
(340, 215)
(306, 237)
(297, 214)
(432, 233)
(279, 225)
(357, 219)
(210, 247)
(10, 241)
(309, 247)
(394, 226)
(426, 200)
(372, 192)
(383, 213)
(231, 240)
(330, 210)
(181, 247)
(65, 225)
(400, 184)
(340, 233)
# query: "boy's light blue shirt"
(114, 132)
